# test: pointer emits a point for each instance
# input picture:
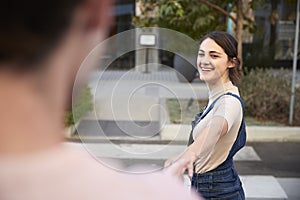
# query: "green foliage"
(189, 17)
(266, 94)
(183, 111)
(82, 105)
(258, 3)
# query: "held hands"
(178, 165)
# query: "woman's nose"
(203, 63)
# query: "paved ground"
(268, 170)
(277, 159)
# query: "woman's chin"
(203, 78)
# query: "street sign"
(147, 40)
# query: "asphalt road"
(273, 174)
(278, 159)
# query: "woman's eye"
(214, 56)
(201, 54)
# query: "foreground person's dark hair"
(31, 29)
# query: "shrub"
(82, 105)
(266, 94)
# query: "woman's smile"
(206, 68)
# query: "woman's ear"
(232, 63)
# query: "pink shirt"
(63, 173)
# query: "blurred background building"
(269, 44)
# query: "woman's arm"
(202, 145)
(207, 139)
(226, 112)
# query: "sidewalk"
(173, 132)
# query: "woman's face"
(213, 64)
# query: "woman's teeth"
(206, 69)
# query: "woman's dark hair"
(229, 45)
(31, 29)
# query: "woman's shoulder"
(231, 99)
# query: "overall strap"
(239, 143)
(239, 98)
(191, 140)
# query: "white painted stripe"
(259, 187)
(247, 154)
(150, 151)
(291, 187)
(132, 151)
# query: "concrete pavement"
(130, 123)
(260, 185)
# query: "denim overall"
(222, 182)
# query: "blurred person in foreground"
(42, 46)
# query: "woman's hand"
(178, 165)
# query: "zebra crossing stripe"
(151, 151)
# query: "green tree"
(239, 12)
(190, 17)
(196, 17)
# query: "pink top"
(63, 173)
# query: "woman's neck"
(217, 84)
(214, 92)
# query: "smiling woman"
(217, 52)
(219, 131)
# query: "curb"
(273, 134)
(179, 134)
(175, 132)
